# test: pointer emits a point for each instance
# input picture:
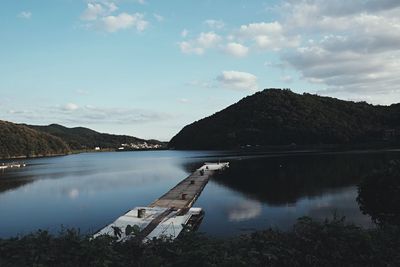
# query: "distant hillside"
(21, 141)
(83, 138)
(281, 117)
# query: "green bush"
(310, 243)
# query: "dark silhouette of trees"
(21, 141)
(379, 194)
(281, 117)
(83, 138)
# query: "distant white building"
(97, 148)
(135, 146)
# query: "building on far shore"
(134, 146)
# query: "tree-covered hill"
(281, 117)
(83, 138)
(21, 141)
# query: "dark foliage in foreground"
(280, 117)
(310, 243)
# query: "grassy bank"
(309, 243)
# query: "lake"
(258, 191)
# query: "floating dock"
(184, 194)
(4, 166)
(167, 216)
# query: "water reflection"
(73, 193)
(342, 204)
(379, 194)
(286, 179)
(88, 191)
(7, 184)
(244, 210)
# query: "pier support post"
(141, 213)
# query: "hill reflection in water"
(284, 180)
(274, 190)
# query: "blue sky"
(147, 68)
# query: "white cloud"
(18, 112)
(124, 21)
(287, 79)
(200, 44)
(263, 36)
(183, 100)
(208, 39)
(262, 28)
(25, 15)
(86, 114)
(92, 11)
(112, 7)
(236, 49)
(190, 48)
(184, 33)
(99, 15)
(269, 36)
(82, 92)
(353, 46)
(214, 24)
(120, 115)
(142, 2)
(97, 9)
(70, 107)
(344, 46)
(200, 83)
(338, 8)
(158, 17)
(238, 80)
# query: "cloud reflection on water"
(245, 210)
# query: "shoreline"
(73, 152)
(294, 148)
(240, 151)
(36, 156)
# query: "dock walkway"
(167, 215)
(184, 194)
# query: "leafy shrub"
(310, 243)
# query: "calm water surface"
(88, 191)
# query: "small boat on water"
(11, 165)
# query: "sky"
(147, 68)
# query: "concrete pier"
(167, 215)
(184, 194)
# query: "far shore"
(75, 152)
(244, 150)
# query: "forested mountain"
(84, 138)
(281, 117)
(21, 141)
